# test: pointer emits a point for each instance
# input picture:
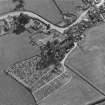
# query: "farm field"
(91, 61)
(88, 59)
(76, 92)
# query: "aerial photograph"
(52, 52)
